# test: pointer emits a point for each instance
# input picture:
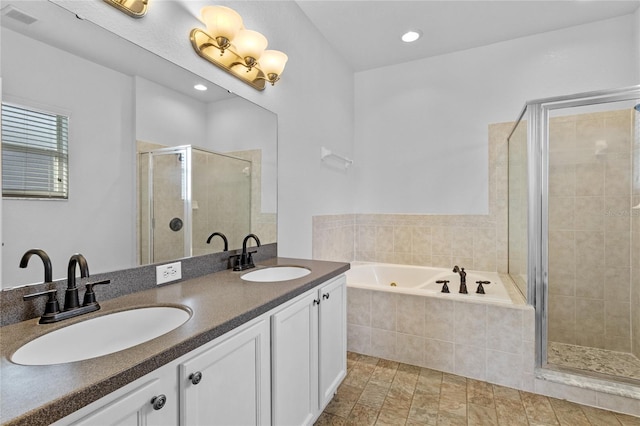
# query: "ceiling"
(366, 33)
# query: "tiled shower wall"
(589, 229)
(221, 197)
(474, 242)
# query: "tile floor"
(382, 392)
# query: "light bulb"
(411, 36)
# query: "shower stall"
(574, 230)
(185, 195)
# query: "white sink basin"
(276, 273)
(101, 335)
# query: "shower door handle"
(175, 224)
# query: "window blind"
(34, 153)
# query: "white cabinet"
(308, 345)
(281, 368)
(225, 382)
(228, 384)
(294, 351)
(153, 400)
(332, 339)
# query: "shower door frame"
(537, 114)
(187, 212)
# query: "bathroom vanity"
(251, 353)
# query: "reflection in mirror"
(115, 94)
(187, 194)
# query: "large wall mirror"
(125, 105)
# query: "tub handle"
(445, 287)
(480, 289)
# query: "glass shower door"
(591, 260)
(165, 222)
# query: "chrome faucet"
(245, 260)
(463, 279)
(221, 235)
(72, 306)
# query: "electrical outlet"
(169, 272)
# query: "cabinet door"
(229, 383)
(294, 362)
(333, 339)
(141, 407)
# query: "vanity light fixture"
(134, 8)
(235, 49)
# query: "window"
(34, 153)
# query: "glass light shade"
(273, 62)
(250, 43)
(221, 21)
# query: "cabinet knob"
(316, 302)
(326, 296)
(195, 377)
(158, 402)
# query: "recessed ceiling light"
(410, 36)
(200, 87)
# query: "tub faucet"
(48, 274)
(71, 300)
(221, 235)
(245, 261)
(463, 279)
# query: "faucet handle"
(89, 295)
(250, 257)
(445, 287)
(52, 307)
(236, 260)
(480, 289)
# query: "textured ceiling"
(367, 32)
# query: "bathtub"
(421, 280)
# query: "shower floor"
(601, 361)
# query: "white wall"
(314, 99)
(96, 220)
(421, 127)
(166, 117)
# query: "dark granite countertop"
(220, 302)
